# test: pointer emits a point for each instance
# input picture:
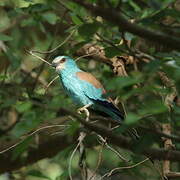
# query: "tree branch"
(49, 148)
(113, 16)
(126, 143)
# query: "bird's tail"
(110, 109)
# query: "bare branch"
(57, 47)
(126, 143)
(126, 167)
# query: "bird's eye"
(63, 60)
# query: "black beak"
(53, 65)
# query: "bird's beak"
(53, 65)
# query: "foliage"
(25, 105)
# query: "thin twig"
(112, 149)
(34, 132)
(71, 158)
(70, 161)
(125, 167)
(117, 153)
(166, 128)
(124, 108)
(158, 169)
(52, 50)
(31, 52)
(50, 83)
(107, 41)
(82, 163)
(99, 161)
(86, 55)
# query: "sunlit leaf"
(76, 20)
(51, 18)
(23, 106)
(4, 37)
(37, 174)
(131, 118)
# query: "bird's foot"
(84, 109)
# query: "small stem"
(31, 52)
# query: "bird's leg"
(84, 108)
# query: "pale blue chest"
(74, 88)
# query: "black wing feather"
(110, 106)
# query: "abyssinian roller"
(84, 89)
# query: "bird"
(84, 89)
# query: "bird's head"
(63, 63)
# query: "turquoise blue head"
(64, 63)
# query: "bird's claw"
(84, 109)
(80, 110)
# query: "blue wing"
(93, 89)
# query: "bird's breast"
(74, 89)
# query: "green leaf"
(28, 122)
(160, 15)
(76, 8)
(135, 6)
(15, 61)
(111, 52)
(23, 106)
(28, 0)
(8, 102)
(38, 174)
(4, 37)
(74, 126)
(87, 30)
(51, 18)
(152, 67)
(122, 82)
(77, 46)
(76, 20)
(92, 1)
(145, 141)
(114, 3)
(131, 118)
(63, 176)
(35, 8)
(3, 77)
(20, 148)
(153, 107)
(28, 22)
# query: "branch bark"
(115, 17)
(126, 143)
(49, 147)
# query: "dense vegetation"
(132, 47)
